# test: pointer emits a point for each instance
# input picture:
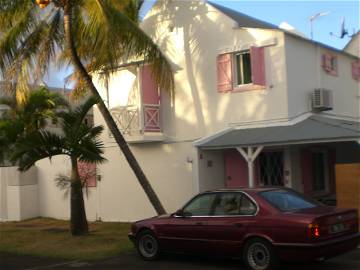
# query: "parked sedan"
(262, 226)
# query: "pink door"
(235, 169)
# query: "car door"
(231, 220)
(186, 232)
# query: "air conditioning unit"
(322, 100)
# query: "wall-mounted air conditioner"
(322, 100)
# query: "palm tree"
(95, 36)
(31, 114)
(77, 141)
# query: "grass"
(51, 238)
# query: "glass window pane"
(201, 205)
(246, 68)
(287, 200)
(238, 69)
(247, 207)
(227, 204)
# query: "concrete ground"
(131, 261)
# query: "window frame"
(235, 70)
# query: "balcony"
(139, 123)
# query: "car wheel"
(259, 254)
(147, 245)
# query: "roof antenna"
(343, 32)
(313, 18)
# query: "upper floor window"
(243, 70)
(355, 70)
(330, 64)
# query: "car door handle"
(239, 225)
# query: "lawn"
(51, 238)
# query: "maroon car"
(262, 225)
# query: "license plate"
(336, 228)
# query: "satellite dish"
(343, 32)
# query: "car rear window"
(287, 200)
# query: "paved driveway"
(131, 261)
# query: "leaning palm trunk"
(78, 221)
(144, 182)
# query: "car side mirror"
(182, 213)
(179, 213)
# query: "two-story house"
(254, 105)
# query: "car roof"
(246, 189)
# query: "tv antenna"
(313, 18)
(343, 32)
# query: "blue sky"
(297, 14)
(294, 12)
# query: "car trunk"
(333, 222)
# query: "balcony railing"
(137, 120)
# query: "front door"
(235, 169)
(271, 168)
(187, 233)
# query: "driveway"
(131, 261)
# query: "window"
(200, 205)
(330, 64)
(230, 204)
(271, 168)
(242, 68)
(355, 70)
(287, 200)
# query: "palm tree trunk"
(144, 182)
(78, 221)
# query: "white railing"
(133, 120)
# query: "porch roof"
(315, 129)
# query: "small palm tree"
(31, 114)
(77, 141)
(95, 36)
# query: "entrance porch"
(302, 156)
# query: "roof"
(246, 21)
(315, 129)
(242, 19)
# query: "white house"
(254, 105)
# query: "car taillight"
(314, 230)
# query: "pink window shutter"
(257, 55)
(150, 93)
(224, 72)
(87, 173)
(355, 70)
(326, 62)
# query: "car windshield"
(287, 200)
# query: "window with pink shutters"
(355, 70)
(87, 172)
(224, 72)
(329, 64)
(258, 66)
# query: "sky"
(294, 12)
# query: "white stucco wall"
(54, 202)
(305, 73)
(353, 46)
(19, 194)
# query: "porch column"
(250, 155)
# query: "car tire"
(147, 245)
(259, 254)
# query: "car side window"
(200, 205)
(233, 204)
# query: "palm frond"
(37, 146)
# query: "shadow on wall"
(192, 28)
